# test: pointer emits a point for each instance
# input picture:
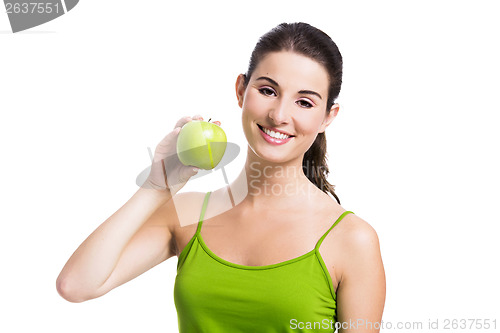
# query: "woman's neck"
(263, 183)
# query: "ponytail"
(315, 167)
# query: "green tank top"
(214, 295)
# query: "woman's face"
(288, 92)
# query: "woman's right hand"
(167, 171)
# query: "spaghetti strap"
(326, 233)
(205, 203)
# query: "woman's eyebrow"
(309, 92)
(268, 79)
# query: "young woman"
(285, 256)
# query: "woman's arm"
(137, 236)
(131, 241)
(361, 291)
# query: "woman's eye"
(267, 91)
(304, 104)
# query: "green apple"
(201, 144)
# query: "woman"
(286, 257)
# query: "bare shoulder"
(352, 231)
(186, 206)
(352, 236)
(360, 248)
(358, 234)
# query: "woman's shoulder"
(352, 233)
(187, 206)
(358, 234)
(358, 242)
(189, 196)
(353, 247)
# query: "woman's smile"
(273, 136)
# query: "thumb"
(188, 172)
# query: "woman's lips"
(272, 140)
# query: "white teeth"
(275, 134)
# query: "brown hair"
(309, 41)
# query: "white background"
(413, 151)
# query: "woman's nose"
(279, 113)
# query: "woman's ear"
(329, 117)
(240, 89)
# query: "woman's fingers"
(181, 122)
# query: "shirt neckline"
(240, 266)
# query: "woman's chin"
(267, 156)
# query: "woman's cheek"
(254, 104)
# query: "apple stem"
(209, 119)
